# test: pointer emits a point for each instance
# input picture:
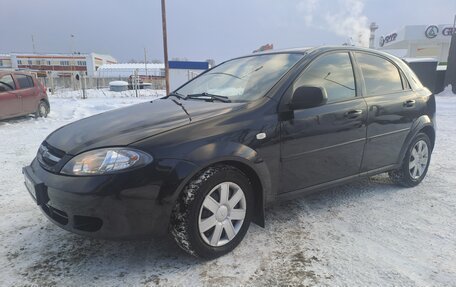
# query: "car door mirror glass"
(306, 97)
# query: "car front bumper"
(135, 204)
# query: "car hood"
(124, 126)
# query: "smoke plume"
(344, 18)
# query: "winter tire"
(415, 164)
(213, 212)
(42, 110)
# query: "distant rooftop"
(157, 69)
(133, 66)
(55, 54)
(128, 69)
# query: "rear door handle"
(353, 114)
(409, 103)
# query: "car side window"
(7, 84)
(334, 73)
(30, 80)
(24, 81)
(380, 75)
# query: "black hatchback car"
(203, 162)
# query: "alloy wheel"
(418, 159)
(222, 214)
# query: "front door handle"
(353, 114)
(409, 103)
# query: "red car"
(21, 94)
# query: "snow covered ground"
(368, 233)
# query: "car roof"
(2, 73)
(308, 50)
(321, 49)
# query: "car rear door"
(10, 104)
(27, 93)
(392, 108)
(325, 143)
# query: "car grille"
(49, 156)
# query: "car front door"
(10, 104)
(392, 108)
(324, 143)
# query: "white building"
(5, 61)
(126, 70)
(417, 41)
(56, 65)
(179, 71)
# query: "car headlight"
(105, 161)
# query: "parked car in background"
(204, 161)
(21, 94)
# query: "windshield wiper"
(252, 71)
(177, 95)
(209, 97)
(227, 74)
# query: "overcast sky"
(203, 29)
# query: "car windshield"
(240, 80)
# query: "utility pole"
(165, 46)
(33, 44)
(135, 82)
(145, 60)
(72, 61)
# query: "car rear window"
(25, 81)
(7, 84)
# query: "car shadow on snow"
(17, 120)
(53, 255)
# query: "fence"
(90, 83)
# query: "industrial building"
(60, 70)
(179, 71)
(128, 69)
(56, 65)
(419, 41)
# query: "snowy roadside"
(369, 232)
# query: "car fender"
(419, 124)
(238, 155)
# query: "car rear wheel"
(42, 110)
(415, 164)
(213, 213)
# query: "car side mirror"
(306, 97)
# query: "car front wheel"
(415, 164)
(213, 213)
